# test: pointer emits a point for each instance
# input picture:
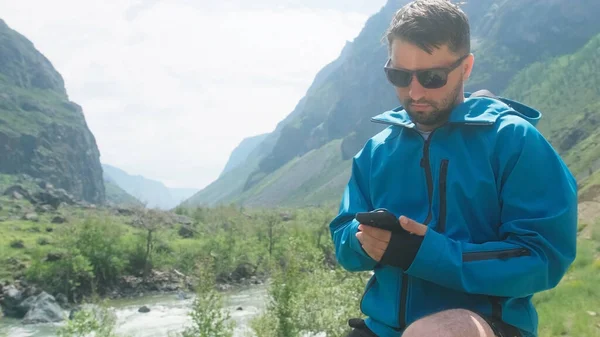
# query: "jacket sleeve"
(538, 226)
(348, 250)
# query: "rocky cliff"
(42, 133)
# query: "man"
(487, 207)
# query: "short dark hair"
(430, 24)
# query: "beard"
(440, 112)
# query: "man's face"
(429, 108)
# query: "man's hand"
(375, 241)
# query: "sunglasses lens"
(432, 79)
(398, 78)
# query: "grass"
(573, 307)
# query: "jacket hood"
(474, 110)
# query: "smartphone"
(380, 218)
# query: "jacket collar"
(480, 110)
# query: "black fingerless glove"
(402, 249)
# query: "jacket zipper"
(443, 176)
(405, 279)
(425, 164)
(496, 254)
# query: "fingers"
(412, 226)
(372, 246)
(377, 233)
(373, 240)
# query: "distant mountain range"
(152, 193)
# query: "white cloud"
(169, 88)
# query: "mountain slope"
(232, 183)
(42, 133)
(242, 151)
(117, 196)
(151, 192)
(566, 90)
(505, 41)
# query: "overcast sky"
(170, 87)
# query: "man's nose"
(416, 90)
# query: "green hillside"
(313, 179)
(566, 90)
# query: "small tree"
(151, 221)
(208, 317)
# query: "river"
(167, 313)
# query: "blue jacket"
(499, 203)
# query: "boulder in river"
(144, 309)
(11, 298)
(43, 308)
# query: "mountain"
(42, 133)
(150, 192)
(567, 89)
(242, 151)
(230, 184)
(332, 121)
(117, 196)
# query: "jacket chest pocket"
(464, 203)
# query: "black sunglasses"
(433, 78)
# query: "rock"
(43, 184)
(243, 271)
(73, 312)
(144, 309)
(130, 282)
(224, 287)
(124, 211)
(52, 257)
(11, 298)
(18, 192)
(62, 300)
(239, 309)
(186, 231)
(58, 219)
(31, 217)
(183, 295)
(592, 313)
(43, 309)
(47, 198)
(43, 208)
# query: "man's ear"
(468, 67)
